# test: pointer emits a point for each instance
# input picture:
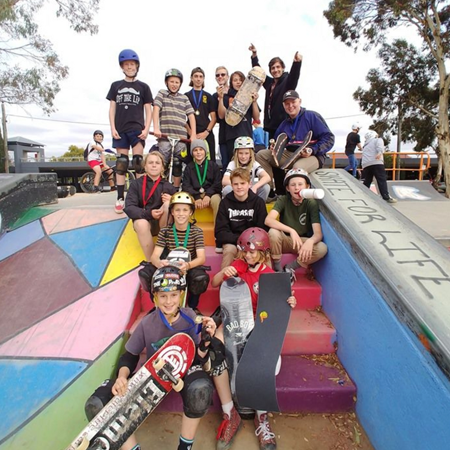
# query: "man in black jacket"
(275, 86)
(239, 210)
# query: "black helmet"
(168, 279)
(173, 73)
(128, 55)
(98, 132)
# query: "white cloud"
(185, 35)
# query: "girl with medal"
(183, 233)
(244, 156)
(204, 109)
(202, 178)
(147, 202)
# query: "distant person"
(373, 164)
(170, 113)
(260, 137)
(97, 162)
(204, 109)
(353, 142)
(276, 85)
(295, 226)
(222, 89)
(299, 122)
(130, 117)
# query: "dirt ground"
(293, 431)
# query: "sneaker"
(97, 190)
(291, 272)
(272, 199)
(264, 433)
(390, 200)
(228, 430)
(219, 250)
(113, 188)
(118, 208)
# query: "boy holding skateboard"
(129, 99)
(295, 226)
(252, 260)
(171, 109)
(166, 320)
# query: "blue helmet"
(128, 55)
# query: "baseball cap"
(290, 95)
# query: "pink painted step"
(302, 387)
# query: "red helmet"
(253, 239)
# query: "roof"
(25, 141)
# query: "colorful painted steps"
(303, 386)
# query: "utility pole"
(399, 142)
(5, 139)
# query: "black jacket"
(233, 217)
(287, 82)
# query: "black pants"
(378, 171)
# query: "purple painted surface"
(302, 387)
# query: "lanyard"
(197, 102)
(185, 317)
(201, 179)
(294, 127)
(144, 189)
(186, 237)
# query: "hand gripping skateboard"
(243, 100)
(238, 322)
(123, 415)
(296, 154)
(255, 376)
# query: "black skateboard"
(278, 148)
(255, 376)
(293, 156)
(238, 322)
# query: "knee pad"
(92, 407)
(198, 396)
(137, 163)
(216, 352)
(177, 167)
(145, 275)
(122, 164)
(198, 281)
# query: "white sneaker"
(118, 208)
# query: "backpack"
(86, 152)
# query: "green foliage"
(30, 70)
(73, 152)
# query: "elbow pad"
(128, 360)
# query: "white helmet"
(244, 142)
(371, 134)
(356, 126)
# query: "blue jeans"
(352, 164)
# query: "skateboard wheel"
(158, 364)
(178, 385)
(83, 445)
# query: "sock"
(120, 192)
(293, 265)
(277, 265)
(185, 444)
(227, 408)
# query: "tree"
(368, 22)
(401, 94)
(73, 152)
(30, 70)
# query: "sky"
(185, 35)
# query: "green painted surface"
(63, 419)
(31, 215)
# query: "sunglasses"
(221, 75)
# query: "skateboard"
(123, 415)
(277, 147)
(293, 156)
(255, 375)
(238, 322)
(243, 100)
(178, 255)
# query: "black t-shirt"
(221, 122)
(130, 98)
(353, 140)
(206, 104)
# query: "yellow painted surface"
(127, 255)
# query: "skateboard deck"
(238, 322)
(123, 415)
(278, 148)
(293, 156)
(243, 100)
(255, 376)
